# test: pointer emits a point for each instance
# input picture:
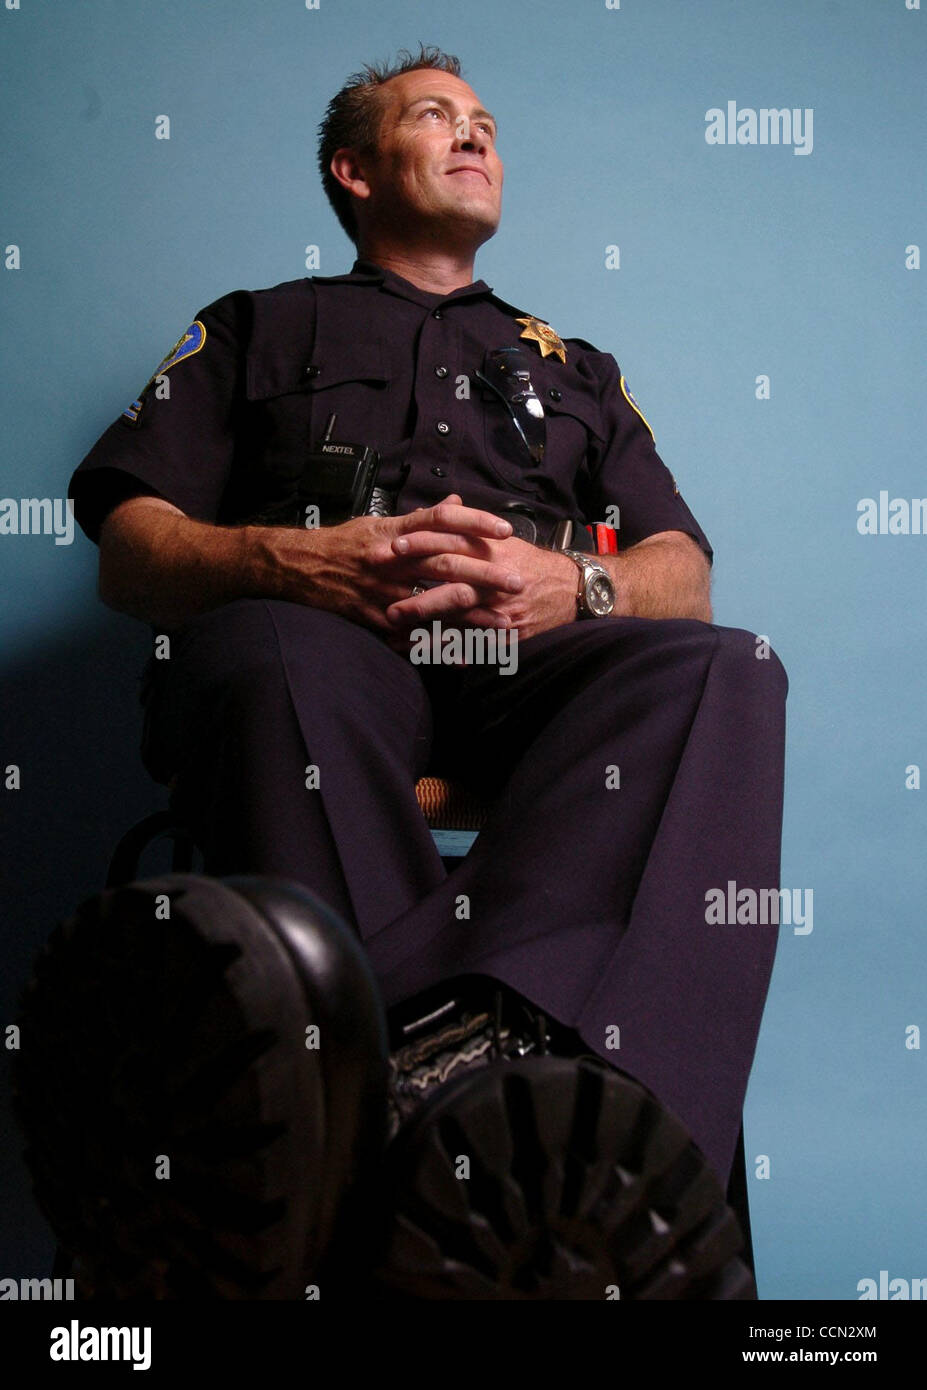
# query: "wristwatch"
(595, 597)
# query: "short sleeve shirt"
(228, 419)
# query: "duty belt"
(564, 534)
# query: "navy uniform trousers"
(588, 899)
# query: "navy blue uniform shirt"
(250, 386)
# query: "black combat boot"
(522, 1166)
(202, 1084)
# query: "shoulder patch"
(626, 392)
(186, 346)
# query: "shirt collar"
(364, 272)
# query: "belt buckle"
(522, 520)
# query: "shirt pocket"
(291, 400)
(573, 421)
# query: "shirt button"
(443, 427)
(313, 371)
(441, 371)
(439, 472)
(554, 394)
(437, 314)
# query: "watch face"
(600, 595)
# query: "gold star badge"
(541, 333)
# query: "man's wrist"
(267, 560)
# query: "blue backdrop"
(736, 262)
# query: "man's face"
(436, 161)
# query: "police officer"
(635, 754)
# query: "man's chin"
(470, 224)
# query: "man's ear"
(350, 171)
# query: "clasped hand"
(482, 575)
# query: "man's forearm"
(661, 578)
(163, 567)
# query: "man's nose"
(468, 136)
